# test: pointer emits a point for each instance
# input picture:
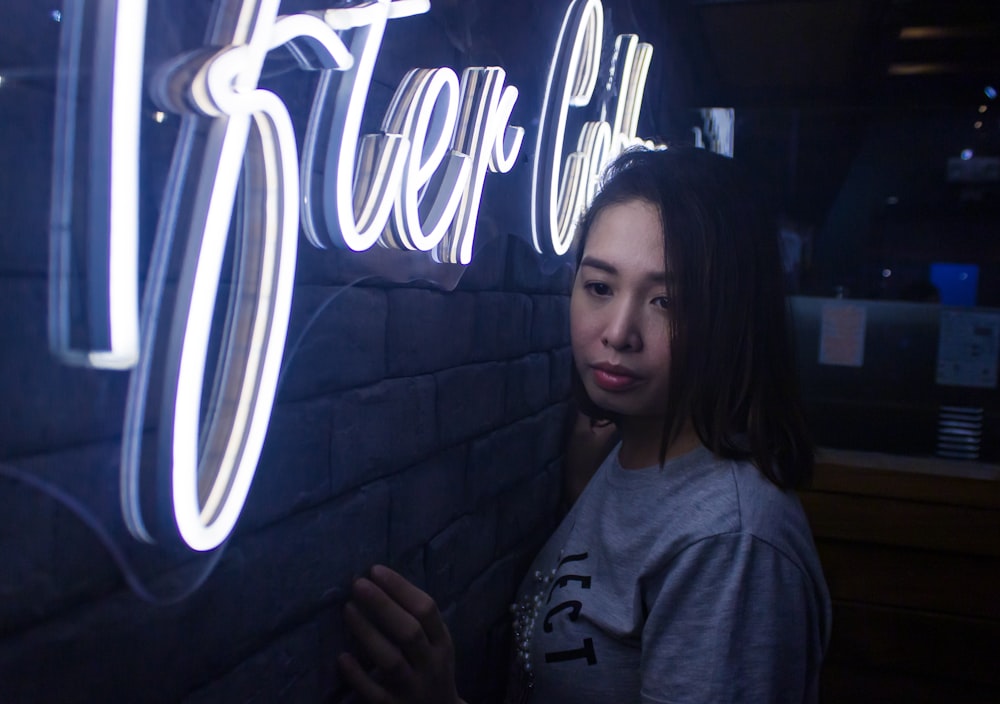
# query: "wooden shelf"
(911, 551)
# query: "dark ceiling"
(813, 80)
(843, 53)
(853, 112)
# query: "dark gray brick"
(294, 467)
(527, 388)
(502, 326)
(470, 400)
(122, 645)
(459, 554)
(424, 499)
(53, 558)
(26, 150)
(489, 263)
(550, 430)
(500, 460)
(526, 511)
(47, 404)
(560, 369)
(428, 330)
(336, 340)
(381, 429)
(299, 666)
(528, 271)
(549, 322)
(477, 621)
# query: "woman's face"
(620, 312)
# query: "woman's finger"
(394, 620)
(363, 684)
(414, 601)
(380, 648)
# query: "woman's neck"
(641, 438)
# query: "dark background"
(418, 425)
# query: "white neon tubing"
(416, 113)
(625, 45)
(352, 223)
(572, 77)
(63, 160)
(634, 68)
(208, 489)
(241, 434)
(327, 44)
(478, 129)
(126, 108)
(236, 427)
(596, 141)
(196, 329)
(122, 190)
(368, 12)
(408, 8)
(637, 88)
(130, 486)
(508, 141)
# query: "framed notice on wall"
(842, 334)
(968, 348)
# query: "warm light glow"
(922, 69)
(978, 124)
(982, 109)
(942, 32)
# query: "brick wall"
(414, 426)
(431, 447)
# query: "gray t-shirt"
(694, 582)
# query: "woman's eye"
(598, 288)
(661, 302)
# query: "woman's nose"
(621, 331)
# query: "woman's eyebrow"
(596, 263)
(656, 277)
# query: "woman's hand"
(399, 628)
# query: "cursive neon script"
(415, 185)
(560, 191)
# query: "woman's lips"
(613, 378)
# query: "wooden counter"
(911, 551)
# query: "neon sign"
(416, 185)
(560, 192)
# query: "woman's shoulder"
(705, 496)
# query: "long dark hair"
(731, 369)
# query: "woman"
(685, 571)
